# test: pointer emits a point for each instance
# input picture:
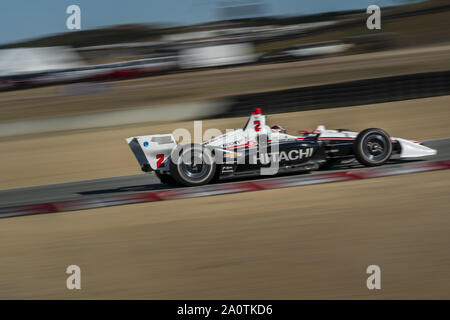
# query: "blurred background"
(152, 53)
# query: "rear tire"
(192, 165)
(372, 147)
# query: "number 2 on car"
(160, 158)
(257, 124)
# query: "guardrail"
(368, 91)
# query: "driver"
(278, 128)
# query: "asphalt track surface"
(139, 183)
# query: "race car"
(258, 149)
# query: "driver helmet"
(278, 128)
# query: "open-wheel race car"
(258, 149)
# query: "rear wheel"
(192, 165)
(372, 147)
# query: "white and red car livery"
(258, 149)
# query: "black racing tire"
(188, 172)
(372, 147)
(165, 178)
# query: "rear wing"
(152, 152)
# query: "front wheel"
(372, 147)
(192, 165)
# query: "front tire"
(192, 165)
(372, 147)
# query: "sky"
(26, 19)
